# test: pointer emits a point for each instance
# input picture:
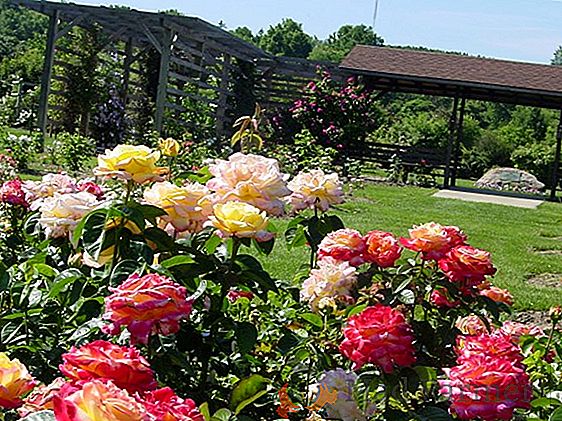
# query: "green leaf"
(95, 216)
(295, 237)
(204, 409)
(177, 261)
(246, 336)
(427, 376)
(407, 297)
(149, 212)
(123, 270)
(351, 311)
(556, 415)
(222, 415)
(40, 416)
(159, 237)
(247, 391)
(212, 243)
(544, 402)
(45, 270)
(287, 342)
(313, 319)
(264, 247)
(65, 278)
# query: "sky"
(524, 30)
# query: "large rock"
(510, 179)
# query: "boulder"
(511, 179)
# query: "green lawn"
(511, 234)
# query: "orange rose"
(382, 249)
(432, 240)
(15, 382)
(97, 400)
(498, 295)
(41, 398)
(345, 245)
(467, 264)
(104, 360)
(145, 305)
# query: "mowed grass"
(512, 235)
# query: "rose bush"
(145, 297)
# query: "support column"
(223, 99)
(452, 130)
(556, 165)
(42, 113)
(162, 92)
(127, 70)
(457, 148)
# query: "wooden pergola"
(461, 78)
(193, 53)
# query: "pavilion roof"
(452, 75)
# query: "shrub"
(304, 154)
(130, 295)
(72, 151)
(536, 158)
(22, 148)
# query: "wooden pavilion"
(193, 53)
(461, 78)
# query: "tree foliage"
(340, 43)
(287, 38)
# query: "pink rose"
(378, 335)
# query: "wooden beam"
(42, 113)
(162, 91)
(556, 164)
(457, 149)
(70, 25)
(127, 70)
(223, 98)
(154, 41)
(452, 128)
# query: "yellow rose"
(242, 220)
(169, 147)
(129, 162)
(15, 382)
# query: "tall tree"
(340, 43)
(246, 34)
(557, 59)
(287, 39)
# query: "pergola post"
(556, 165)
(223, 88)
(42, 113)
(458, 144)
(162, 90)
(129, 45)
(452, 130)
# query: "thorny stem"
(119, 230)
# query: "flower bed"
(140, 297)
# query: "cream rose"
(315, 189)
(60, 214)
(238, 219)
(129, 162)
(187, 207)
